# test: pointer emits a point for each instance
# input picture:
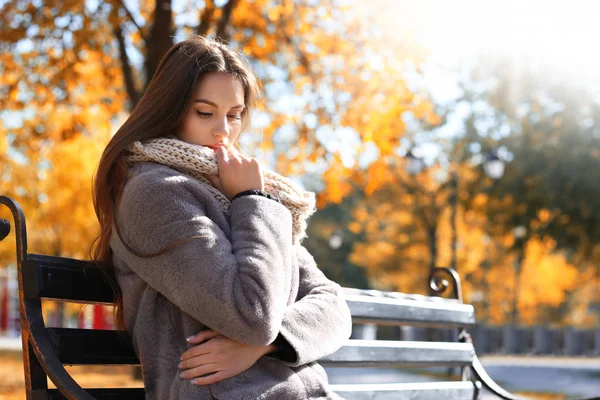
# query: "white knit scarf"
(197, 161)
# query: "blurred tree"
(317, 49)
(73, 69)
(538, 257)
(549, 127)
(330, 241)
(393, 244)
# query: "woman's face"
(215, 117)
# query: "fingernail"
(181, 375)
(195, 382)
(179, 365)
(189, 338)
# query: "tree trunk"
(160, 40)
(222, 34)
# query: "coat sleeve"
(319, 322)
(237, 286)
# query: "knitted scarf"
(196, 161)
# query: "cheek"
(193, 126)
(187, 125)
(235, 133)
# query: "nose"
(221, 129)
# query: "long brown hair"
(160, 112)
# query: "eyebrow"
(215, 104)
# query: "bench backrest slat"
(87, 346)
(398, 311)
(105, 394)
(65, 279)
(392, 353)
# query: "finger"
(234, 154)
(214, 378)
(194, 362)
(199, 371)
(244, 157)
(222, 155)
(196, 351)
(207, 334)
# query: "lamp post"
(520, 232)
(414, 165)
(493, 166)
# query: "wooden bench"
(47, 350)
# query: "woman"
(204, 245)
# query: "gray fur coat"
(242, 278)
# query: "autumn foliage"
(336, 91)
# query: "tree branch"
(222, 34)
(302, 58)
(133, 21)
(132, 92)
(206, 18)
(299, 53)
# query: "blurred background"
(435, 133)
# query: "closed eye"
(207, 114)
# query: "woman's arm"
(314, 326)
(319, 322)
(237, 287)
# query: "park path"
(574, 377)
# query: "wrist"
(255, 192)
(271, 348)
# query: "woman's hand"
(237, 173)
(218, 355)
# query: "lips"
(216, 146)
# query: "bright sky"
(562, 35)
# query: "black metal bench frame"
(47, 350)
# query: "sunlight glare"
(559, 36)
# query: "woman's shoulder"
(149, 172)
(148, 179)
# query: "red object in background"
(98, 320)
(4, 305)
